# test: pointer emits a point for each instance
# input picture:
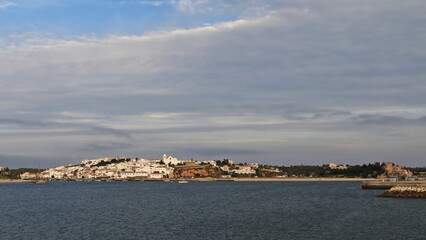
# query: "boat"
(183, 181)
(166, 180)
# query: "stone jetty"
(405, 192)
(390, 184)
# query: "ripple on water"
(209, 210)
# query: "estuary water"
(206, 210)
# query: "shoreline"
(13, 180)
(389, 185)
(284, 179)
(302, 179)
(242, 180)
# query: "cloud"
(72, 127)
(371, 119)
(4, 5)
(241, 8)
(105, 146)
(303, 73)
(79, 117)
(155, 3)
(202, 153)
(111, 131)
(151, 3)
(24, 123)
(218, 152)
(190, 6)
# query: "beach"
(300, 179)
(13, 180)
(287, 179)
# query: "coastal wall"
(389, 185)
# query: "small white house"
(156, 175)
(245, 169)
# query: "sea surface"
(206, 210)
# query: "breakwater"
(405, 192)
(389, 185)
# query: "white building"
(141, 174)
(335, 166)
(57, 173)
(28, 175)
(254, 165)
(212, 163)
(170, 160)
(127, 174)
(131, 174)
(160, 169)
(156, 175)
(245, 169)
(225, 168)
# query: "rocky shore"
(405, 192)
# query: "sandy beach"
(300, 179)
(286, 179)
(12, 180)
(247, 180)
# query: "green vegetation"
(223, 163)
(4, 176)
(14, 173)
(417, 169)
(364, 171)
(104, 163)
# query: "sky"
(274, 82)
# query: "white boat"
(183, 181)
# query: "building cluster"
(335, 166)
(4, 171)
(111, 168)
(127, 169)
(395, 171)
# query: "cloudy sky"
(275, 82)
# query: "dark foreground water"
(206, 210)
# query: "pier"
(391, 184)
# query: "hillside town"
(142, 169)
(169, 167)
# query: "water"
(206, 210)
